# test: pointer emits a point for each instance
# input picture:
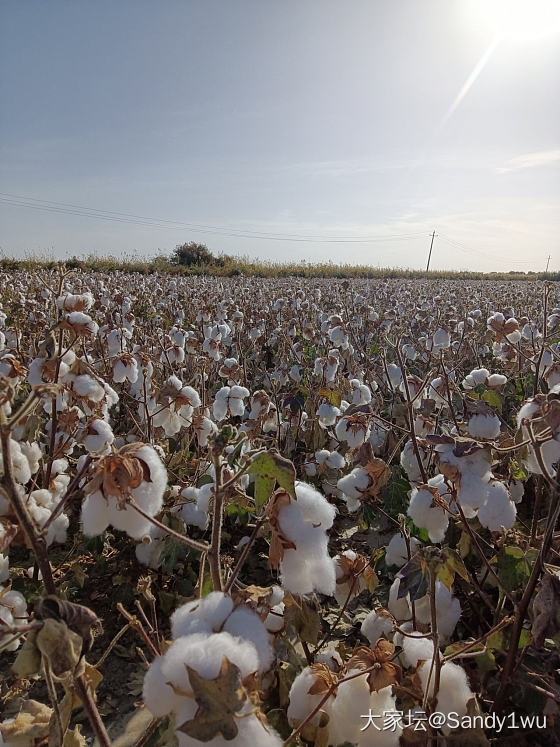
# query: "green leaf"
(332, 396)
(513, 567)
(493, 399)
(268, 469)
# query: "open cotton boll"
(20, 465)
(550, 450)
(302, 703)
(353, 486)
(376, 624)
(194, 511)
(201, 615)
(396, 552)
(477, 376)
(352, 429)
(149, 553)
(247, 625)
(409, 462)
(484, 426)
(516, 490)
(414, 649)
(13, 611)
(99, 436)
(394, 375)
(141, 475)
(327, 414)
(308, 570)
(448, 610)
(33, 454)
(454, 691)
(426, 513)
(330, 657)
(499, 510)
(168, 674)
(354, 701)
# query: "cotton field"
(277, 511)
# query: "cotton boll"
(415, 649)
(330, 657)
(33, 454)
(499, 510)
(454, 691)
(409, 462)
(477, 376)
(352, 429)
(99, 436)
(247, 625)
(327, 414)
(516, 490)
(20, 465)
(353, 486)
(448, 610)
(157, 694)
(396, 551)
(394, 375)
(95, 514)
(302, 702)
(201, 615)
(376, 624)
(427, 514)
(484, 426)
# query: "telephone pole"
(430, 254)
(547, 262)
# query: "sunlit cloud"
(531, 161)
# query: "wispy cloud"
(531, 161)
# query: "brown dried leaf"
(219, 701)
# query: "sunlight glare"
(521, 20)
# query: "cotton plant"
(134, 472)
(229, 401)
(213, 641)
(299, 544)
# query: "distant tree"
(192, 253)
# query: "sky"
(297, 130)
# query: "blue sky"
(299, 119)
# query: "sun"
(521, 20)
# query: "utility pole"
(547, 262)
(430, 254)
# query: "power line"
(51, 206)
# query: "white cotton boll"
(20, 464)
(99, 436)
(433, 518)
(149, 553)
(499, 510)
(415, 649)
(314, 506)
(352, 430)
(361, 393)
(157, 694)
(517, 490)
(409, 462)
(247, 625)
(33, 454)
(477, 376)
(484, 426)
(377, 438)
(301, 702)
(375, 626)
(496, 380)
(394, 375)
(205, 654)
(454, 691)
(95, 514)
(86, 386)
(327, 414)
(550, 450)
(335, 460)
(396, 552)
(353, 486)
(448, 610)
(399, 608)
(472, 493)
(274, 621)
(212, 611)
(330, 657)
